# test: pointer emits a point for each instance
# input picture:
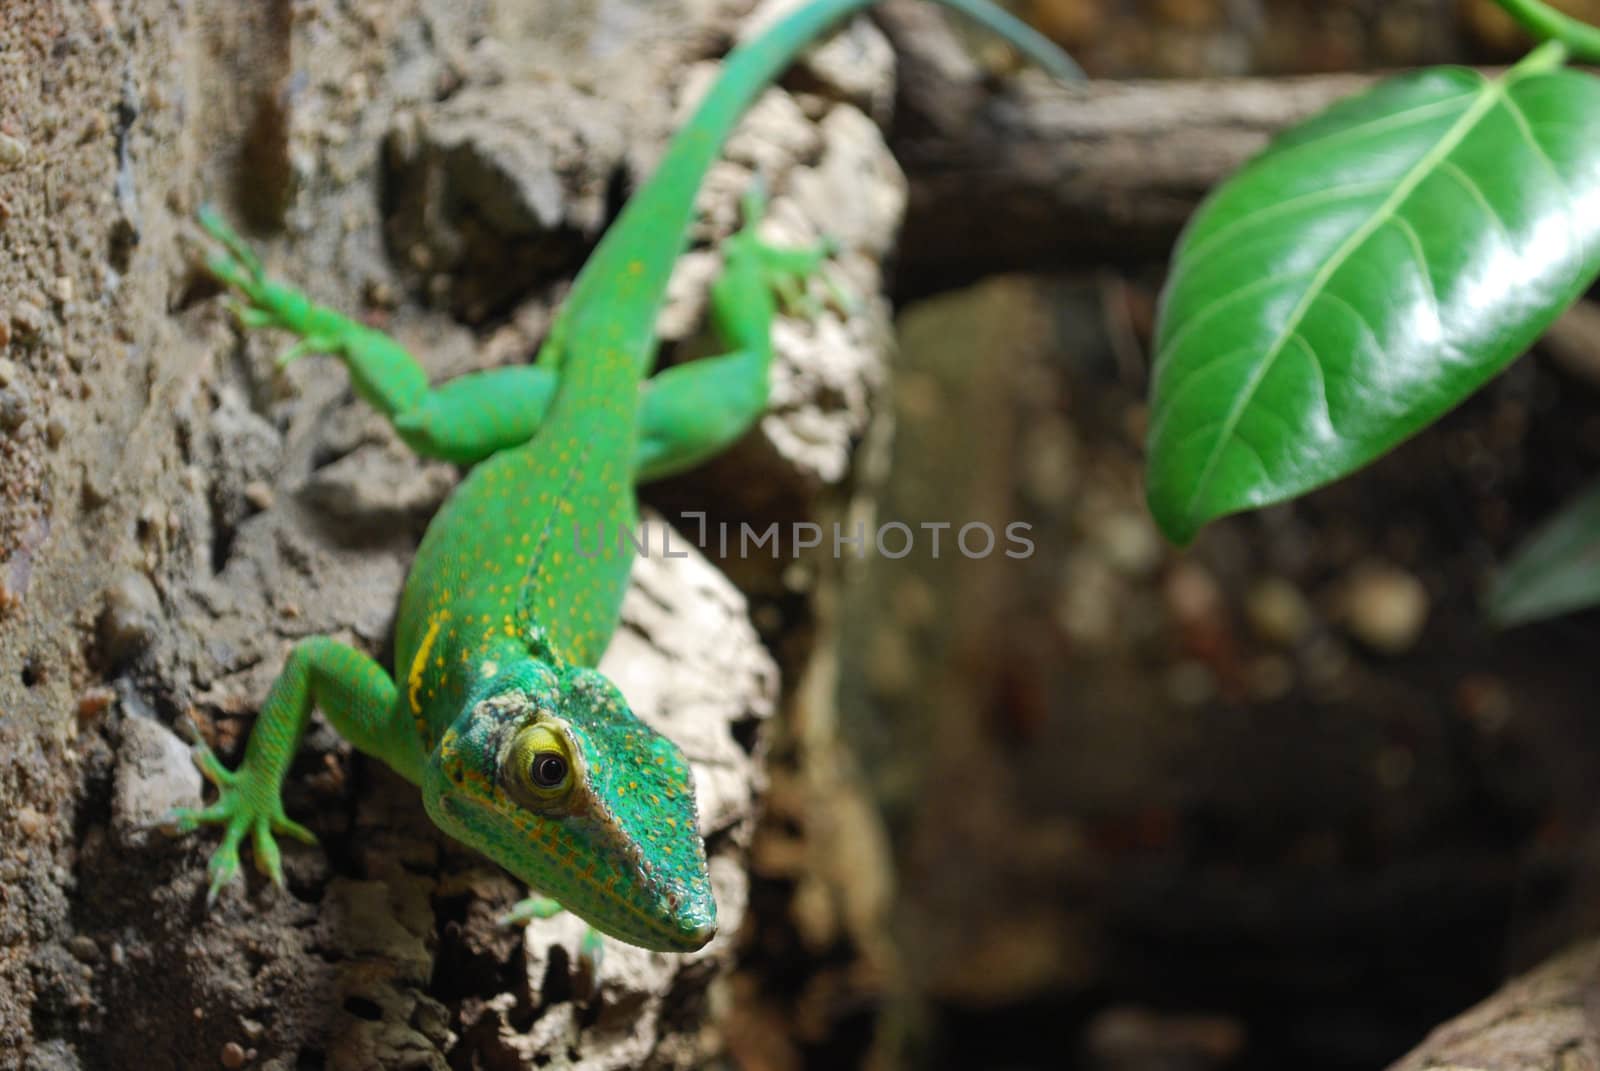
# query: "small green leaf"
(1372, 268)
(1556, 571)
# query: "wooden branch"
(1031, 174)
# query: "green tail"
(665, 206)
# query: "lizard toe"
(290, 828)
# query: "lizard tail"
(1024, 38)
(666, 204)
(756, 64)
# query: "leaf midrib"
(1490, 94)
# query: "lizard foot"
(787, 272)
(534, 907)
(591, 950)
(244, 805)
(263, 302)
(591, 954)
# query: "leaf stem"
(1545, 22)
(1545, 58)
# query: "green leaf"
(1556, 571)
(1368, 271)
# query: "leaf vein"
(1476, 191)
(1273, 211)
(1380, 124)
(1322, 380)
(1424, 272)
(1523, 125)
(1403, 189)
(1190, 378)
(1216, 305)
(1360, 317)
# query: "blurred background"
(1281, 800)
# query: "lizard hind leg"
(695, 410)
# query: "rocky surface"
(178, 513)
(1541, 1021)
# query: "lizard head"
(549, 773)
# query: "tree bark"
(1065, 174)
(1546, 1020)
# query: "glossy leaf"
(1368, 271)
(1554, 572)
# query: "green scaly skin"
(521, 749)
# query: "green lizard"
(520, 747)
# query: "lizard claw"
(240, 259)
(591, 950)
(306, 345)
(591, 954)
(241, 808)
(211, 767)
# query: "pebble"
(128, 623)
(96, 489)
(28, 319)
(94, 702)
(83, 949)
(1131, 543)
(30, 822)
(8, 371)
(12, 151)
(1573, 341)
(1277, 612)
(1192, 595)
(154, 774)
(1385, 608)
(1128, 1036)
(13, 408)
(1090, 597)
(232, 1055)
(258, 494)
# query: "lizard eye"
(537, 769)
(549, 769)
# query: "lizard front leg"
(463, 420)
(357, 696)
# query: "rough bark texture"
(1546, 1020)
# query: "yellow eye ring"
(538, 766)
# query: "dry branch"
(1032, 174)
